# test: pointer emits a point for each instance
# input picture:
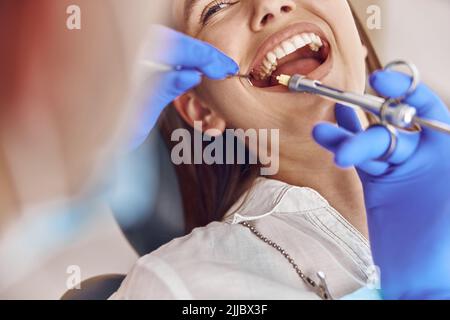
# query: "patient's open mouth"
(301, 49)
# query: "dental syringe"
(393, 112)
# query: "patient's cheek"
(233, 43)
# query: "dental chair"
(160, 220)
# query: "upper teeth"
(287, 47)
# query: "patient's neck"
(308, 165)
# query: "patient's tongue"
(300, 66)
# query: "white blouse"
(225, 260)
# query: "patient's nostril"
(267, 18)
(286, 9)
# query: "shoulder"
(174, 269)
(200, 242)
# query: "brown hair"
(209, 191)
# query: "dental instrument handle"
(161, 67)
(402, 115)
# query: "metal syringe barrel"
(400, 115)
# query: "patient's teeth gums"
(306, 38)
(271, 57)
(299, 42)
(287, 47)
(279, 53)
(267, 64)
(316, 42)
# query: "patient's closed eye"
(215, 7)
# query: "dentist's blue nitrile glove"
(408, 197)
(192, 59)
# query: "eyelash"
(215, 7)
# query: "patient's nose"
(267, 11)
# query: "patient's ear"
(191, 109)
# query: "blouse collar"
(269, 196)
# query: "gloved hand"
(408, 197)
(191, 60)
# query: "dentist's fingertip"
(379, 77)
(230, 66)
(234, 68)
(376, 73)
(221, 68)
(342, 160)
(342, 107)
(343, 165)
(319, 133)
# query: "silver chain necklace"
(320, 289)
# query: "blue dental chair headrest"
(159, 218)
